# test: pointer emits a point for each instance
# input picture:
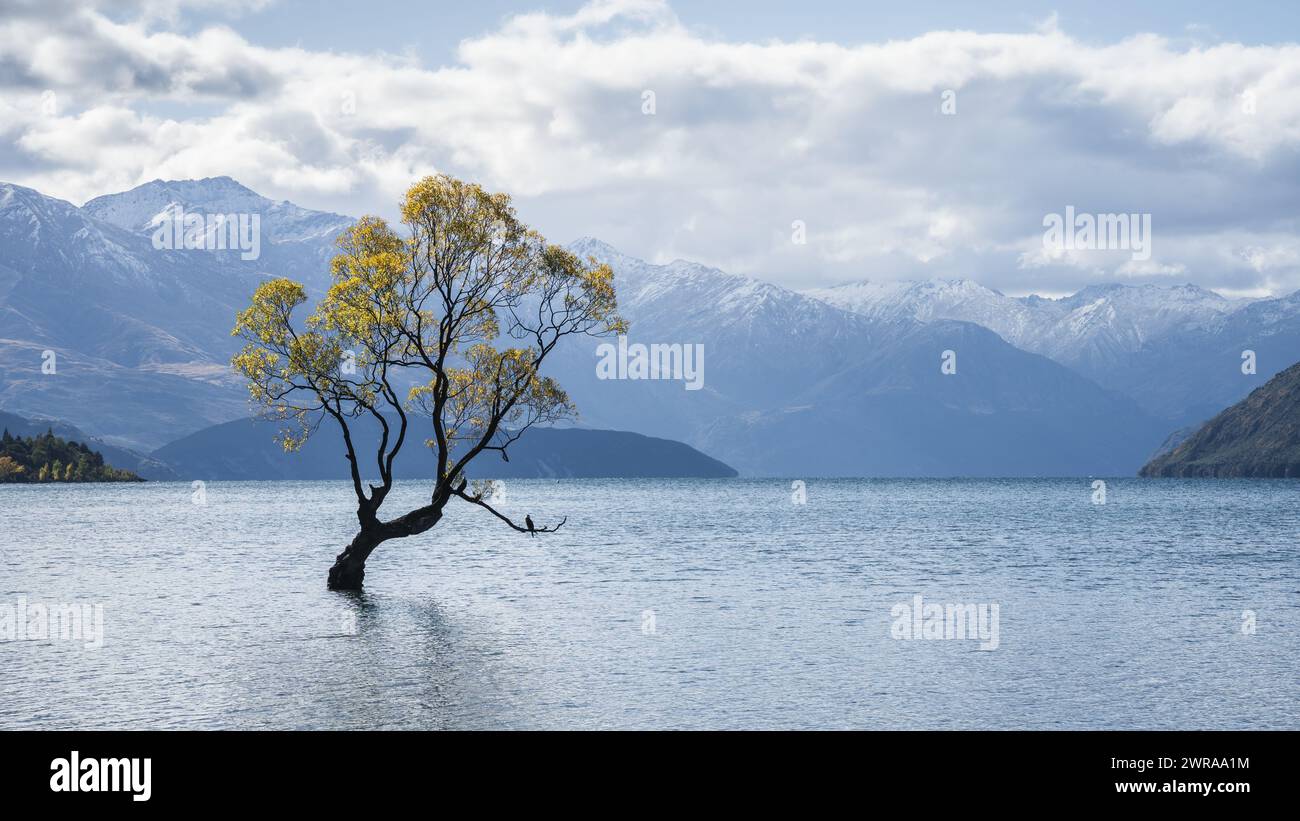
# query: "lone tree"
(463, 310)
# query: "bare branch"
(460, 492)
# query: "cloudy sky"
(909, 142)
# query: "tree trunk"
(349, 568)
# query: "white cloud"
(745, 138)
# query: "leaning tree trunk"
(349, 568)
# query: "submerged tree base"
(349, 569)
(347, 573)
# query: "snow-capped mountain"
(292, 241)
(1194, 374)
(136, 209)
(747, 321)
(1091, 326)
(796, 386)
(1120, 336)
(55, 236)
(929, 300)
(140, 335)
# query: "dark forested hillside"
(47, 458)
(1259, 437)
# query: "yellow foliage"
(437, 298)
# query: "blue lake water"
(691, 604)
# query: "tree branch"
(460, 491)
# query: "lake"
(675, 603)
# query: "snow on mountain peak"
(1109, 317)
(136, 209)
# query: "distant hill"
(1259, 437)
(245, 450)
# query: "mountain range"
(1175, 350)
(140, 336)
(797, 386)
(838, 381)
